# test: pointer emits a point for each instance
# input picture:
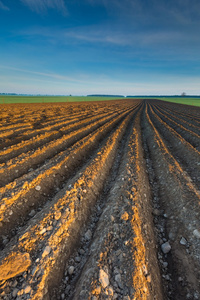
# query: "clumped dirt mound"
(100, 201)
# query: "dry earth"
(100, 201)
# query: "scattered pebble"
(14, 293)
(166, 247)
(110, 291)
(38, 188)
(43, 231)
(165, 264)
(103, 278)
(81, 251)
(71, 270)
(183, 241)
(46, 251)
(77, 259)
(57, 215)
(88, 235)
(118, 279)
(32, 213)
(196, 233)
(27, 289)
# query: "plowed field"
(100, 201)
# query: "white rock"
(183, 241)
(71, 270)
(27, 289)
(166, 247)
(103, 278)
(43, 231)
(38, 188)
(196, 233)
(46, 251)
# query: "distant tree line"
(98, 95)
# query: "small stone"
(10, 213)
(110, 291)
(196, 233)
(125, 216)
(97, 290)
(32, 213)
(148, 278)
(3, 206)
(27, 289)
(46, 251)
(118, 280)
(77, 259)
(14, 293)
(57, 215)
(180, 279)
(166, 247)
(88, 235)
(165, 264)
(183, 241)
(71, 270)
(103, 278)
(62, 296)
(81, 251)
(112, 218)
(66, 279)
(14, 284)
(33, 271)
(5, 240)
(38, 188)
(49, 228)
(43, 231)
(20, 293)
(156, 212)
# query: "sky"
(81, 47)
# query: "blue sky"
(129, 47)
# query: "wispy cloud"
(54, 76)
(41, 6)
(3, 7)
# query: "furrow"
(190, 136)
(181, 110)
(40, 140)
(16, 136)
(184, 152)
(121, 261)
(15, 168)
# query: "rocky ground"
(100, 201)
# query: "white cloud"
(41, 6)
(3, 7)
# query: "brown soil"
(100, 201)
